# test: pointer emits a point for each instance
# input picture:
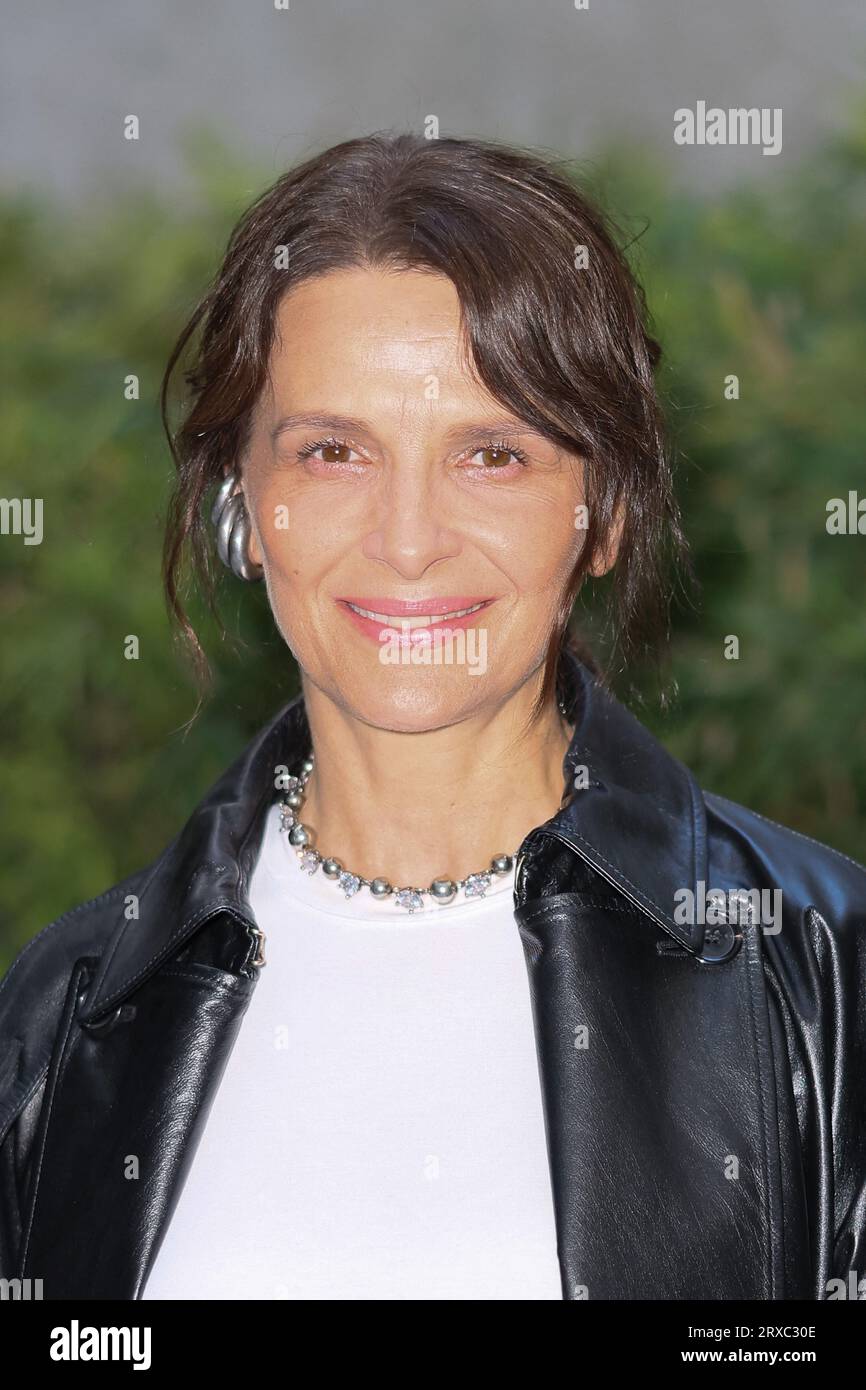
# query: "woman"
(455, 985)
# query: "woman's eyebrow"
(489, 428)
(466, 432)
(305, 420)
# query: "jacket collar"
(638, 814)
(639, 822)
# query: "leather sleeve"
(816, 976)
(15, 1176)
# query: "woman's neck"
(411, 807)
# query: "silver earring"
(231, 520)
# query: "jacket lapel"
(653, 1041)
(147, 1031)
(206, 869)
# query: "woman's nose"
(410, 530)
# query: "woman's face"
(380, 476)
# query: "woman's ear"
(253, 546)
(606, 552)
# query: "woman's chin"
(415, 704)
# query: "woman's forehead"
(395, 337)
(416, 305)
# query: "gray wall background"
(282, 84)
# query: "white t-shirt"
(378, 1132)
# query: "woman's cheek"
(541, 555)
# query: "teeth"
(407, 622)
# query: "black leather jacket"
(704, 1085)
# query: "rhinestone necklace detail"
(441, 890)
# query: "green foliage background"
(766, 281)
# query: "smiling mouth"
(411, 621)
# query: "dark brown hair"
(555, 320)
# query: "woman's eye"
(495, 457)
(327, 451)
(335, 453)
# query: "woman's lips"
(415, 620)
